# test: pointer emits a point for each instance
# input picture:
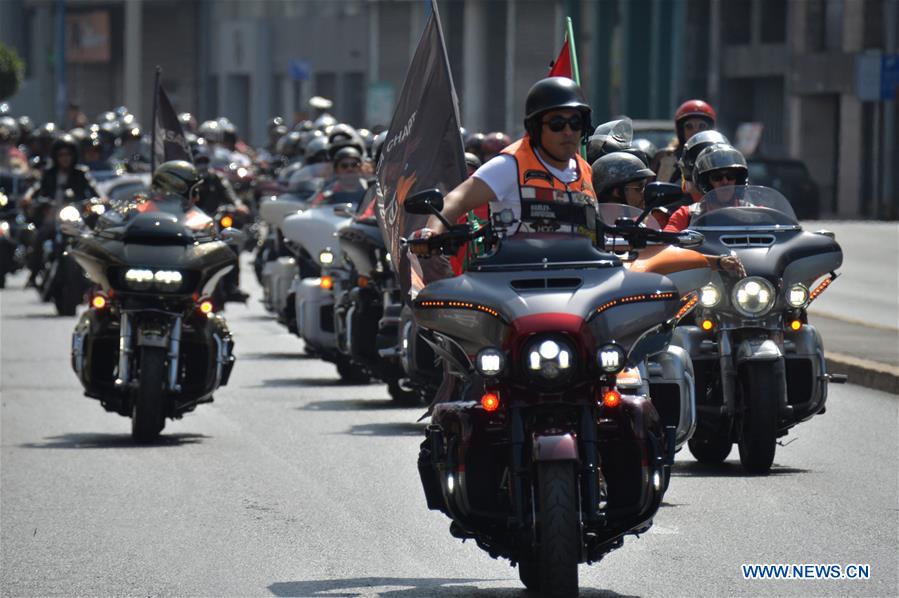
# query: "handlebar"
(449, 242)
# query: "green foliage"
(12, 71)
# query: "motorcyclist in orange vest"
(541, 177)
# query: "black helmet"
(188, 122)
(304, 125)
(646, 148)
(25, 127)
(694, 146)
(47, 131)
(316, 150)
(9, 129)
(345, 152)
(719, 156)
(493, 144)
(177, 177)
(553, 93)
(618, 168)
(289, 145)
(62, 142)
(472, 161)
(613, 136)
(474, 144)
(274, 122)
(343, 135)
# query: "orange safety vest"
(547, 203)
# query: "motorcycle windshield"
(343, 189)
(744, 207)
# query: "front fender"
(758, 350)
(556, 447)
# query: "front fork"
(126, 351)
(750, 350)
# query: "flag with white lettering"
(423, 150)
(168, 137)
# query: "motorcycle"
(12, 224)
(152, 344)
(551, 451)
(759, 364)
(367, 308)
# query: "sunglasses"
(557, 123)
(348, 164)
(717, 177)
(636, 186)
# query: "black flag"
(168, 137)
(423, 150)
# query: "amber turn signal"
(98, 302)
(611, 398)
(490, 401)
(326, 282)
(707, 325)
(227, 221)
(206, 306)
(795, 325)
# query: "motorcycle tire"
(529, 573)
(559, 547)
(758, 440)
(147, 416)
(710, 451)
(350, 373)
(69, 291)
(401, 396)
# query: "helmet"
(494, 143)
(304, 125)
(25, 127)
(62, 142)
(107, 117)
(47, 131)
(366, 136)
(693, 109)
(9, 129)
(618, 168)
(377, 145)
(694, 146)
(211, 131)
(645, 147)
(324, 121)
(463, 133)
(316, 150)
(472, 161)
(345, 152)
(612, 136)
(134, 132)
(474, 144)
(175, 176)
(121, 111)
(719, 156)
(188, 122)
(273, 123)
(550, 94)
(320, 103)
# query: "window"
(773, 21)
(736, 17)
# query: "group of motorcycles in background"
(561, 375)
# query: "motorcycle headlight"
(797, 295)
(610, 358)
(168, 280)
(69, 214)
(550, 359)
(3, 200)
(490, 361)
(753, 296)
(709, 295)
(98, 209)
(139, 279)
(326, 257)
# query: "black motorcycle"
(550, 450)
(152, 344)
(759, 364)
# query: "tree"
(12, 71)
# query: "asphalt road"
(291, 484)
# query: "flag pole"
(575, 72)
(153, 122)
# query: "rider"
(621, 177)
(692, 149)
(214, 190)
(719, 165)
(538, 174)
(691, 117)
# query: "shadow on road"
(117, 441)
(410, 587)
(388, 429)
(50, 316)
(728, 469)
(299, 381)
(254, 356)
(349, 405)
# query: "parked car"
(792, 179)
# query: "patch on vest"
(537, 174)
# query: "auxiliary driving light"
(490, 361)
(326, 257)
(797, 295)
(610, 358)
(139, 279)
(709, 295)
(168, 280)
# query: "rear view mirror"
(233, 236)
(429, 201)
(658, 194)
(344, 209)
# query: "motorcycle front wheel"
(70, 285)
(147, 416)
(558, 551)
(758, 440)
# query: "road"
(291, 484)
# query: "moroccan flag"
(168, 137)
(562, 66)
(423, 150)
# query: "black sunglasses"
(353, 164)
(557, 123)
(717, 177)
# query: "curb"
(871, 374)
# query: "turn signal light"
(707, 325)
(795, 325)
(490, 401)
(326, 282)
(206, 306)
(227, 221)
(98, 302)
(362, 282)
(611, 398)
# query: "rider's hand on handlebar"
(417, 242)
(732, 265)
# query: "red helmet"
(693, 109)
(494, 143)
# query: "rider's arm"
(679, 220)
(471, 194)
